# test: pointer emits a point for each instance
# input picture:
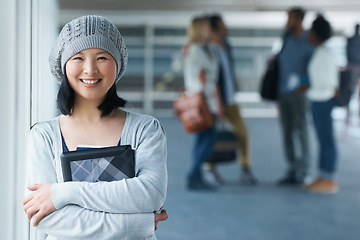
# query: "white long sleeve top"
(198, 58)
(103, 210)
(323, 74)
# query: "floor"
(265, 211)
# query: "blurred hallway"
(154, 33)
(265, 211)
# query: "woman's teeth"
(90, 81)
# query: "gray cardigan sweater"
(104, 210)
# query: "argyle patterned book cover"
(81, 166)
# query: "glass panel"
(167, 68)
(254, 32)
(133, 80)
(170, 32)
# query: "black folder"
(98, 164)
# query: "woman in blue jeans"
(200, 75)
(323, 74)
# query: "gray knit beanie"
(83, 33)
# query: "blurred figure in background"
(324, 75)
(293, 82)
(353, 50)
(353, 58)
(228, 88)
(200, 75)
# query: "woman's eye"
(77, 58)
(102, 58)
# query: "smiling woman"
(88, 58)
(91, 73)
(86, 70)
(91, 62)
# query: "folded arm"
(73, 221)
(80, 223)
(144, 193)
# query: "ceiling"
(343, 14)
(210, 5)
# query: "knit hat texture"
(83, 33)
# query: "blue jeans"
(204, 143)
(321, 112)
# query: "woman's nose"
(90, 67)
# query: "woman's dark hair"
(214, 21)
(65, 99)
(321, 28)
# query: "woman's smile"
(90, 82)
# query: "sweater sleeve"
(145, 193)
(192, 69)
(74, 222)
(77, 222)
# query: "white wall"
(45, 29)
(27, 94)
(7, 92)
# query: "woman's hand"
(302, 89)
(185, 49)
(162, 216)
(38, 202)
(202, 76)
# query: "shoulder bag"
(270, 80)
(193, 112)
(269, 83)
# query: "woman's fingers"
(30, 196)
(38, 216)
(36, 212)
(162, 216)
(31, 211)
(27, 198)
(28, 205)
(34, 187)
(38, 203)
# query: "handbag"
(225, 147)
(269, 83)
(193, 112)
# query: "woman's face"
(207, 32)
(223, 30)
(91, 73)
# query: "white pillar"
(44, 86)
(7, 118)
(24, 72)
(149, 70)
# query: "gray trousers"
(293, 109)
